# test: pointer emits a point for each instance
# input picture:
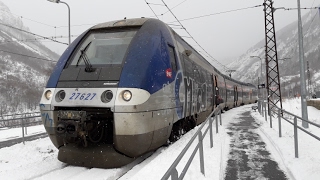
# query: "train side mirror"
(187, 52)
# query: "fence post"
(201, 153)
(26, 125)
(279, 119)
(220, 118)
(270, 115)
(22, 124)
(296, 138)
(265, 111)
(211, 135)
(217, 124)
(262, 109)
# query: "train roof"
(122, 23)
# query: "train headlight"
(126, 95)
(60, 96)
(106, 96)
(48, 94)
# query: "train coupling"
(72, 124)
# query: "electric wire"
(32, 33)
(311, 8)
(289, 9)
(155, 4)
(77, 25)
(193, 37)
(44, 59)
(151, 9)
(223, 12)
(174, 7)
(36, 21)
(37, 39)
(311, 23)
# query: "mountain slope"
(289, 65)
(25, 65)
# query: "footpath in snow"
(248, 157)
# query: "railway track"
(38, 160)
(73, 172)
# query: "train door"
(235, 93)
(217, 98)
(196, 78)
(188, 82)
(242, 94)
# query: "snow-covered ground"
(38, 159)
(8, 134)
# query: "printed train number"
(82, 96)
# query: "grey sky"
(222, 36)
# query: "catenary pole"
(302, 71)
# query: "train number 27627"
(82, 96)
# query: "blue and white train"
(127, 87)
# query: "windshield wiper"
(85, 58)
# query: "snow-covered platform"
(248, 157)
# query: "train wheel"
(189, 124)
(176, 131)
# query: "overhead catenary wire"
(37, 39)
(313, 16)
(218, 13)
(44, 59)
(32, 33)
(311, 8)
(173, 7)
(193, 37)
(162, 5)
(39, 58)
(151, 9)
(289, 9)
(311, 22)
(182, 27)
(37, 22)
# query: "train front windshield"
(103, 48)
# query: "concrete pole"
(302, 71)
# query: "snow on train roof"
(123, 22)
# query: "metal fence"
(172, 171)
(281, 115)
(20, 120)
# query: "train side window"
(172, 58)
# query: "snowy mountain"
(249, 68)
(25, 64)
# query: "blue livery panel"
(147, 65)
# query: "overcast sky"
(222, 36)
